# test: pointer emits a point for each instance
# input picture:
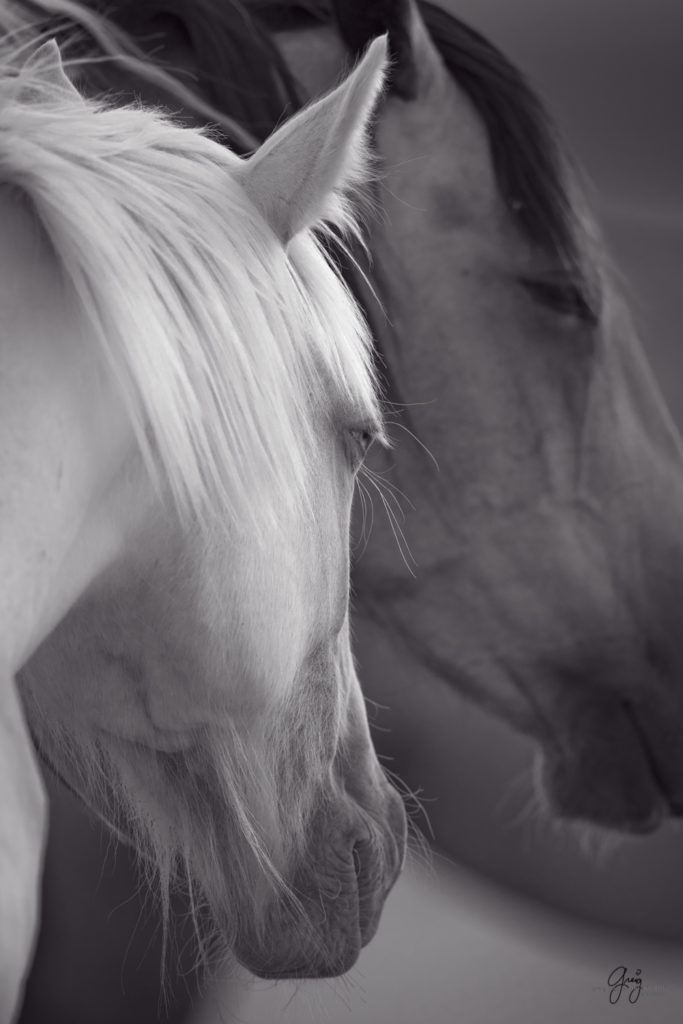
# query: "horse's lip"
(319, 968)
(320, 965)
(320, 972)
(368, 913)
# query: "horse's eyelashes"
(565, 296)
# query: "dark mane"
(530, 166)
(243, 74)
(239, 69)
(289, 15)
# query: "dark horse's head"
(546, 524)
(548, 544)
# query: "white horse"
(185, 398)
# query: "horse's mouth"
(667, 776)
(318, 968)
(627, 776)
(299, 949)
(338, 922)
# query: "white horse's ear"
(299, 175)
(45, 66)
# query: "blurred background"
(523, 925)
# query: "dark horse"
(547, 543)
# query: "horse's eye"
(564, 296)
(361, 439)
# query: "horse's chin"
(319, 969)
(309, 947)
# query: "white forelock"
(228, 349)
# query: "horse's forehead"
(435, 159)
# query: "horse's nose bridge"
(364, 817)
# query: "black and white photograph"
(341, 512)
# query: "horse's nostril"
(357, 860)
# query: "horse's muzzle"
(339, 888)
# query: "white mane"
(225, 346)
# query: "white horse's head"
(201, 400)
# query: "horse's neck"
(61, 431)
(62, 434)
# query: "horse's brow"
(360, 412)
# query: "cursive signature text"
(619, 981)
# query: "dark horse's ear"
(361, 20)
